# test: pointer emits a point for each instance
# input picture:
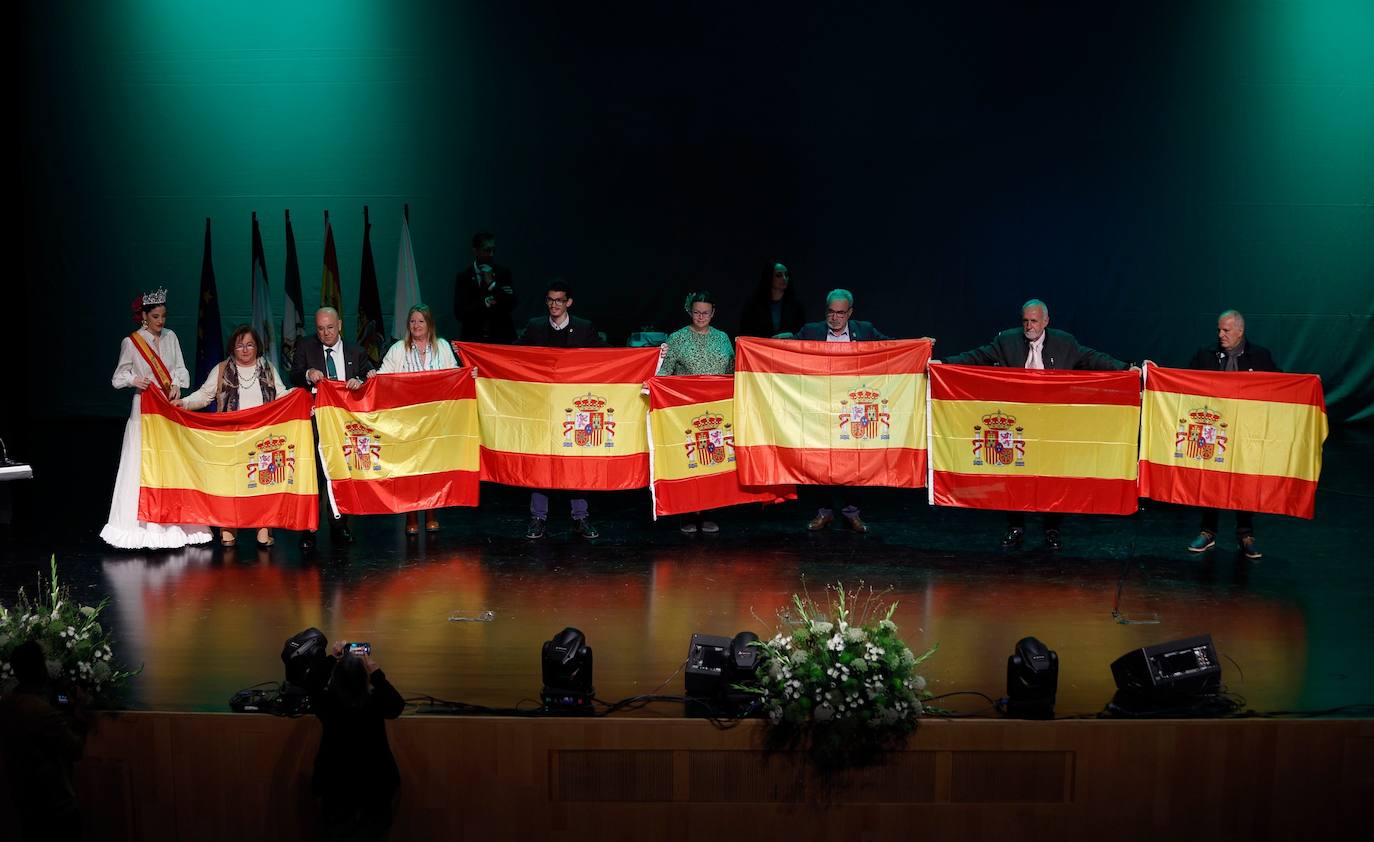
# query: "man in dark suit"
(1036, 345)
(559, 329)
(327, 355)
(1231, 352)
(839, 327)
(483, 297)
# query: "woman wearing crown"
(245, 380)
(421, 350)
(150, 357)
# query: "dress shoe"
(536, 528)
(1052, 540)
(583, 527)
(1249, 547)
(856, 523)
(709, 527)
(1203, 542)
(307, 540)
(431, 525)
(412, 524)
(1015, 535)
(688, 527)
(820, 522)
(342, 535)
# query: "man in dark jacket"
(1232, 352)
(559, 329)
(327, 356)
(1036, 345)
(483, 296)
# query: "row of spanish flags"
(795, 413)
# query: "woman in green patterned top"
(698, 349)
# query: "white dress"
(124, 529)
(439, 355)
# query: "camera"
(362, 650)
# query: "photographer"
(355, 774)
(43, 732)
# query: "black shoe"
(308, 540)
(1015, 535)
(1052, 541)
(342, 534)
(536, 528)
(583, 527)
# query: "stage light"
(715, 667)
(1172, 674)
(1032, 680)
(306, 658)
(567, 668)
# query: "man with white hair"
(1036, 345)
(1232, 352)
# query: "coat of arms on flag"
(864, 415)
(710, 441)
(362, 447)
(272, 462)
(1201, 436)
(589, 423)
(998, 441)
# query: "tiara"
(158, 296)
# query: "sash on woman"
(160, 372)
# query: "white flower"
(836, 643)
(88, 610)
(887, 624)
(799, 657)
(855, 635)
(918, 684)
(822, 627)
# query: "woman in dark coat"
(773, 308)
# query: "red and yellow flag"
(571, 418)
(831, 413)
(251, 468)
(1036, 441)
(402, 443)
(1248, 440)
(692, 445)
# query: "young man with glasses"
(559, 329)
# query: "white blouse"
(250, 391)
(132, 365)
(439, 355)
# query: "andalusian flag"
(402, 443)
(251, 468)
(569, 418)
(1036, 441)
(692, 443)
(831, 413)
(1248, 440)
(331, 294)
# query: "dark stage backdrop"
(1138, 166)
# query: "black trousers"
(1245, 521)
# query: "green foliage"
(80, 652)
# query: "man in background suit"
(327, 356)
(559, 329)
(483, 297)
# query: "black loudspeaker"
(567, 672)
(1167, 672)
(708, 658)
(1032, 680)
(307, 661)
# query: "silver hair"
(1035, 302)
(836, 294)
(331, 311)
(1233, 314)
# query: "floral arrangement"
(841, 680)
(79, 650)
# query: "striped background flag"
(1036, 441)
(692, 444)
(831, 413)
(570, 418)
(251, 468)
(1247, 440)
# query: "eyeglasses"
(829, 313)
(556, 300)
(703, 314)
(245, 346)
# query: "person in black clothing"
(1232, 352)
(560, 329)
(327, 356)
(1036, 345)
(773, 308)
(355, 773)
(42, 734)
(483, 296)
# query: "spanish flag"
(402, 443)
(1248, 440)
(1036, 441)
(692, 445)
(251, 468)
(569, 418)
(831, 413)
